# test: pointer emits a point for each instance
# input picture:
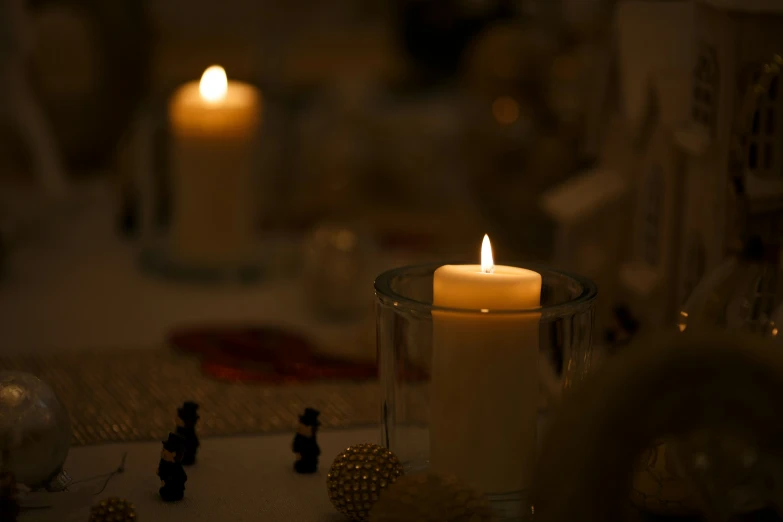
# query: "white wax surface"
(484, 377)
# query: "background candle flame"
(214, 84)
(487, 263)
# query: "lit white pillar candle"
(214, 129)
(484, 388)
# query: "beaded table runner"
(133, 396)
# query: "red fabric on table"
(269, 355)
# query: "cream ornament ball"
(430, 497)
(358, 476)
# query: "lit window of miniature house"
(706, 82)
(653, 216)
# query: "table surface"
(75, 286)
(236, 479)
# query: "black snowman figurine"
(305, 445)
(187, 417)
(172, 474)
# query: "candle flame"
(487, 263)
(214, 84)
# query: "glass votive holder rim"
(389, 297)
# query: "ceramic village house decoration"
(662, 203)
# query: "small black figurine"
(305, 445)
(172, 474)
(187, 416)
(9, 503)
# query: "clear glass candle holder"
(475, 409)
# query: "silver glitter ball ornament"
(358, 476)
(35, 431)
(429, 497)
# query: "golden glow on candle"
(487, 263)
(214, 84)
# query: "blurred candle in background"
(214, 131)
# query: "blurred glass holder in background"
(404, 320)
(338, 263)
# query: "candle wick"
(489, 269)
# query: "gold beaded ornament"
(358, 476)
(113, 509)
(430, 497)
